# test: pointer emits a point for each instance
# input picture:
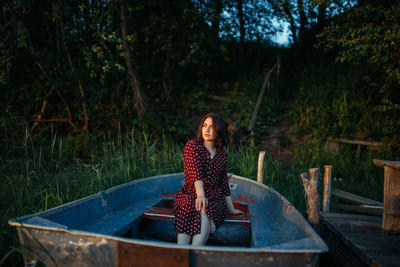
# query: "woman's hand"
(201, 203)
(201, 200)
(231, 208)
(236, 211)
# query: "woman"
(201, 203)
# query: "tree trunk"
(261, 95)
(128, 61)
(292, 24)
(81, 91)
(303, 20)
(241, 21)
(321, 17)
(167, 72)
(216, 18)
(44, 72)
(241, 30)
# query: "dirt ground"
(279, 140)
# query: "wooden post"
(311, 188)
(391, 196)
(327, 188)
(313, 204)
(261, 95)
(260, 170)
(305, 179)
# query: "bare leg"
(201, 239)
(183, 239)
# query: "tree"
(64, 53)
(308, 16)
(128, 61)
(368, 34)
(241, 20)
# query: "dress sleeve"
(193, 168)
(224, 183)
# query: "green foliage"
(368, 34)
(338, 100)
(70, 54)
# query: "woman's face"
(207, 131)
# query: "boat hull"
(91, 231)
(74, 249)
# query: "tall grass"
(39, 175)
(45, 172)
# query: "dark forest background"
(90, 66)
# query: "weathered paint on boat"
(105, 230)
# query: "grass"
(45, 172)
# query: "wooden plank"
(375, 248)
(373, 210)
(242, 199)
(383, 163)
(172, 195)
(384, 259)
(339, 254)
(391, 195)
(373, 241)
(356, 226)
(355, 142)
(355, 198)
(337, 229)
(168, 214)
(130, 254)
(332, 146)
(352, 217)
(160, 213)
(363, 235)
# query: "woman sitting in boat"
(201, 203)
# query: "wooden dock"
(363, 235)
(355, 239)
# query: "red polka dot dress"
(213, 172)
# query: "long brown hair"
(219, 128)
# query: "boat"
(131, 225)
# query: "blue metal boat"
(131, 225)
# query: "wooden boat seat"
(167, 212)
(122, 219)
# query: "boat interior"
(144, 210)
(157, 224)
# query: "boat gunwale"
(79, 201)
(163, 244)
(322, 247)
